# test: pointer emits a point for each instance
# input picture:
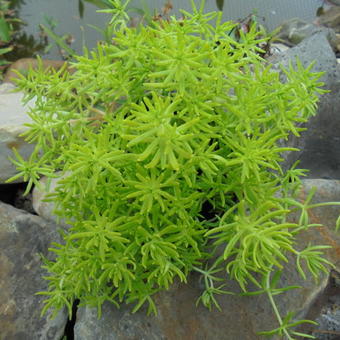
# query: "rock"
(40, 206)
(22, 237)
(13, 116)
(295, 30)
(329, 324)
(276, 49)
(326, 311)
(331, 18)
(316, 49)
(179, 318)
(240, 318)
(319, 144)
(327, 191)
(328, 307)
(334, 2)
(319, 152)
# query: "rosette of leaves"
(149, 132)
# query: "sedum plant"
(168, 145)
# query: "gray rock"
(45, 208)
(22, 237)
(13, 116)
(295, 30)
(319, 144)
(315, 48)
(41, 207)
(327, 191)
(241, 317)
(329, 324)
(326, 311)
(334, 2)
(331, 18)
(179, 318)
(276, 49)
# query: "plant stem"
(324, 204)
(276, 311)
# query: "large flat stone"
(22, 238)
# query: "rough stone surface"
(315, 48)
(12, 119)
(327, 191)
(325, 311)
(276, 49)
(42, 208)
(329, 320)
(179, 317)
(331, 18)
(22, 237)
(320, 143)
(241, 317)
(295, 30)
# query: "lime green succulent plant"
(168, 143)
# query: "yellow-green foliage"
(149, 131)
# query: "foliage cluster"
(168, 143)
